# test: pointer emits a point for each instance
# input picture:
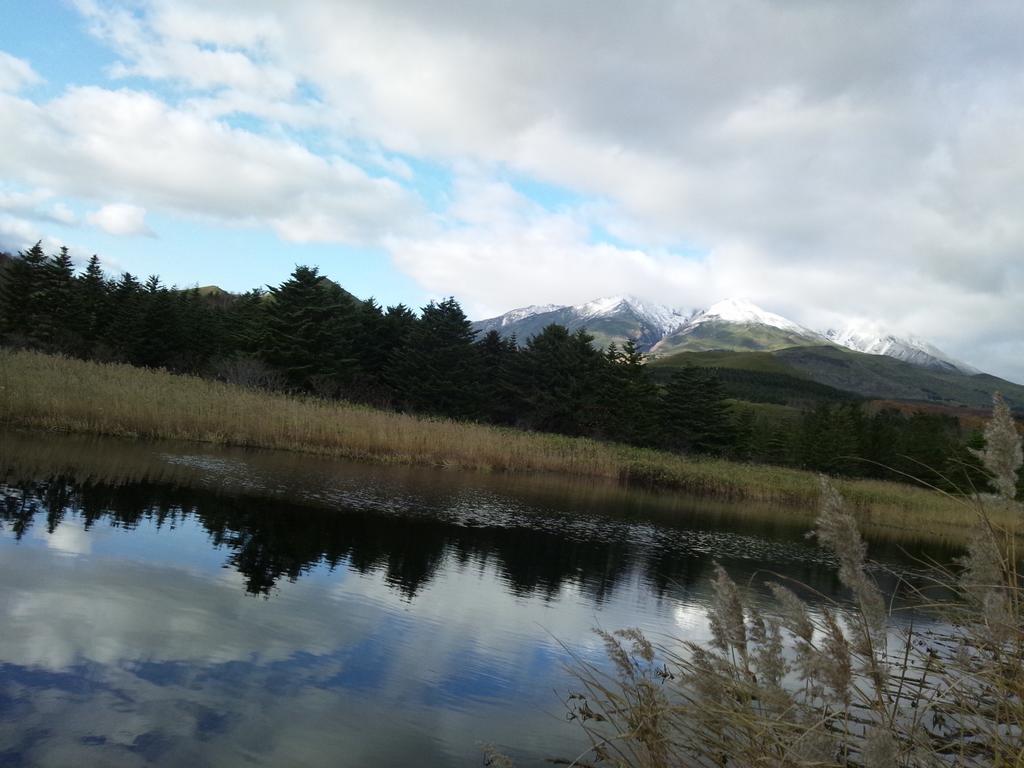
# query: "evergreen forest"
(309, 336)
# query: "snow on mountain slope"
(734, 323)
(660, 317)
(515, 315)
(873, 340)
(660, 320)
(745, 312)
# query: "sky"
(834, 162)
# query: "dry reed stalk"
(843, 686)
(55, 393)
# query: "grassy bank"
(54, 393)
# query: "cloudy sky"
(832, 161)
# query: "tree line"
(267, 547)
(309, 335)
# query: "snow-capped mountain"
(658, 316)
(745, 312)
(869, 338)
(515, 315)
(612, 318)
(735, 324)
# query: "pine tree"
(345, 324)
(830, 439)
(394, 335)
(778, 443)
(245, 320)
(694, 413)
(309, 328)
(198, 331)
(92, 298)
(560, 378)
(156, 333)
(629, 398)
(438, 368)
(932, 441)
(22, 302)
(885, 444)
(59, 324)
(743, 434)
(499, 391)
(123, 334)
(367, 330)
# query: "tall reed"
(849, 684)
(55, 393)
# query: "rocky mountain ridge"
(734, 324)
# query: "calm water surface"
(174, 605)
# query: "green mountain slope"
(757, 377)
(805, 374)
(764, 362)
(878, 376)
(721, 335)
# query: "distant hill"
(762, 362)
(757, 377)
(211, 290)
(218, 294)
(783, 375)
(882, 377)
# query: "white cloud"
(16, 73)
(17, 233)
(120, 219)
(843, 160)
(99, 143)
(498, 249)
(35, 204)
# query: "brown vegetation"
(839, 684)
(55, 393)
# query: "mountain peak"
(659, 317)
(872, 339)
(602, 306)
(733, 323)
(522, 313)
(742, 310)
(736, 324)
(609, 319)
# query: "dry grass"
(839, 685)
(54, 393)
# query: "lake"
(173, 604)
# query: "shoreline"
(50, 393)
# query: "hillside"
(874, 340)
(211, 290)
(721, 335)
(757, 377)
(882, 377)
(738, 325)
(762, 362)
(831, 373)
